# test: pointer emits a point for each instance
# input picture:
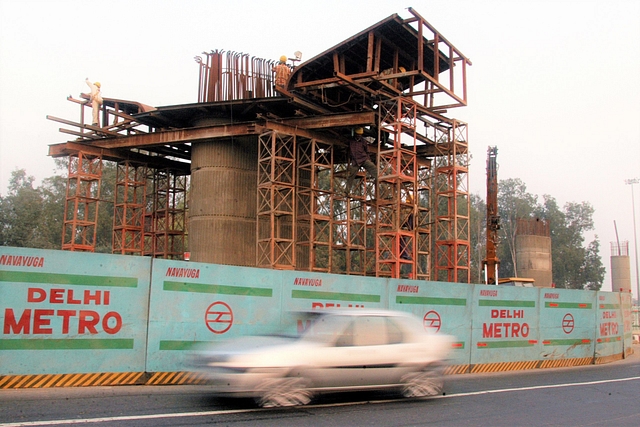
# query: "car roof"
(355, 312)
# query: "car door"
(363, 354)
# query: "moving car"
(346, 350)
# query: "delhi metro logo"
(568, 323)
(432, 320)
(218, 317)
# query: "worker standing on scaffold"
(95, 99)
(282, 71)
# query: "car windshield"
(326, 328)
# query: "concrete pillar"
(533, 258)
(222, 210)
(620, 274)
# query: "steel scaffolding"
(276, 200)
(451, 202)
(332, 229)
(401, 222)
(396, 79)
(81, 202)
(166, 214)
(129, 208)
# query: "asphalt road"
(604, 395)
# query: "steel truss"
(165, 214)
(333, 231)
(451, 202)
(81, 202)
(129, 208)
(403, 226)
(276, 200)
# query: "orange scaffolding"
(81, 202)
(451, 203)
(129, 208)
(166, 214)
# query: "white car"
(341, 351)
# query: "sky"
(554, 85)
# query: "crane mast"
(491, 262)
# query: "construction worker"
(282, 71)
(95, 99)
(359, 158)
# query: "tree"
(20, 213)
(477, 236)
(574, 266)
(52, 193)
(513, 203)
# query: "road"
(581, 396)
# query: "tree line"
(575, 265)
(32, 217)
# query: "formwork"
(256, 172)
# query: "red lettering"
(515, 330)
(497, 330)
(56, 296)
(88, 321)
(36, 295)
(105, 322)
(20, 327)
(66, 316)
(505, 330)
(70, 299)
(88, 297)
(487, 330)
(316, 305)
(39, 323)
(608, 328)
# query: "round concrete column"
(222, 211)
(533, 258)
(620, 274)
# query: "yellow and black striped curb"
(100, 379)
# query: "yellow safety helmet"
(403, 70)
(283, 58)
(97, 84)
(359, 131)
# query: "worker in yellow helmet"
(359, 156)
(95, 99)
(282, 71)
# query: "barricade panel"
(72, 312)
(197, 303)
(627, 320)
(567, 325)
(505, 325)
(609, 327)
(443, 307)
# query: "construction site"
(255, 173)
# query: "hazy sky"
(555, 85)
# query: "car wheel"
(287, 391)
(422, 383)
